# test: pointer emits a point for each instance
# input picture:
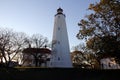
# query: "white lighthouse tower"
(60, 44)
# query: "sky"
(37, 16)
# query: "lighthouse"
(60, 45)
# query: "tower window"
(58, 16)
(58, 28)
(58, 58)
(58, 42)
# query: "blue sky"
(37, 16)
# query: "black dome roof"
(59, 10)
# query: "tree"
(19, 43)
(83, 48)
(102, 24)
(5, 36)
(11, 43)
(38, 41)
(107, 46)
(84, 60)
(80, 47)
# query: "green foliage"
(107, 45)
(104, 21)
(102, 28)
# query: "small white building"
(109, 63)
(36, 57)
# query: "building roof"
(37, 50)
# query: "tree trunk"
(9, 60)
